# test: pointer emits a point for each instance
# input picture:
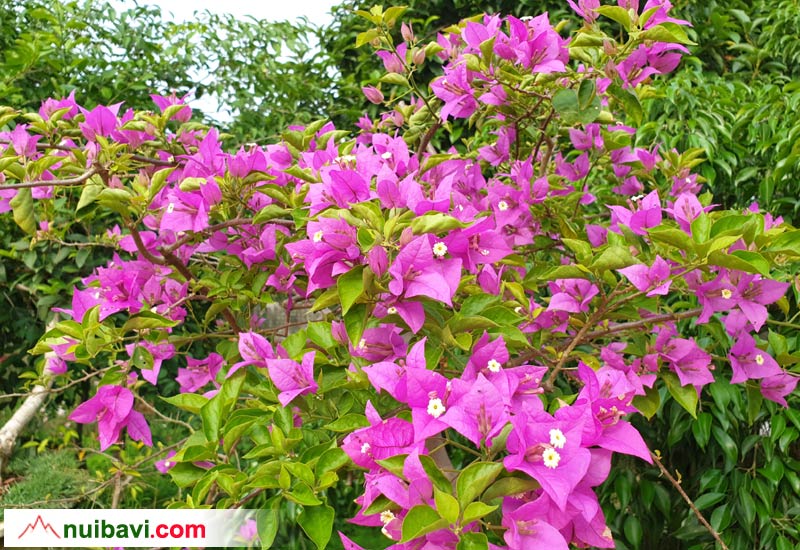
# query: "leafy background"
(736, 97)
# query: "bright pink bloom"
(112, 408)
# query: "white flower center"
(439, 249)
(391, 310)
(365, 448)
(493, 365)
(318, 236)
(167, 464)
(170, 208)
(435, 407)
(362, 344)
(551, 458)
(387, 155)
(502, 206)
(484, 252)
(387, 516)
(759, 359)
(557, 438)
(726, 293)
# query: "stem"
(680, 490)
(643, 323)
(69, 182)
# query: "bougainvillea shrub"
(456, 306)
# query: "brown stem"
(69, 182)
(570, 347)
(643, 323)
(137, 239)
(677, 485)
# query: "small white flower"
(484, 252)
(557, 438)
(391, 310)
(318, 236)
(362, 344)
(436, 407)
(170, 208)
(365, 448)
(439, 249)
(551, 458)
(386, 533)
(493, 365)
(167, 464)
(502, 206)
(345, 158)
(387, 516)
(759, 359)
(726, 293)
(387, 155)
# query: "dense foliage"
(367, 231)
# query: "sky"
(317, 11)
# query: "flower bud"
(418, 57)
(373, 94)
(407, 32)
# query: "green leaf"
(331, 460)
(759, 263)
(506, 486)
(348, 423)
(701, 428)
(22, 205)
(269, 212)
(586, 93)
(674, 237)
(788, 242)
(474, 479)
(614, 257)
(267, 522)
(667, 32)
(446, 505)
(89, 193)
(476, 510)
(618, 14)
(633, 531)
(709, 499)
(701, 228)
(392, 14)
(142, 359)
(394, 78)
(630, 102)
(686, 396)
(317, 522)
(420, 521)
(350, 286)
(648, 403)
(220, 405)
(741, 260)
(436, 223)
(472, 541)
(566, 104)
(729, 447)
(366, 37)
(147, 320)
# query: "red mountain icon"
(39, 521)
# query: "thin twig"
(68, 182)
(691, 504)
(643, 323)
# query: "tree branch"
(677, 485)
(69, 182)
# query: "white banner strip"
(32, 528)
